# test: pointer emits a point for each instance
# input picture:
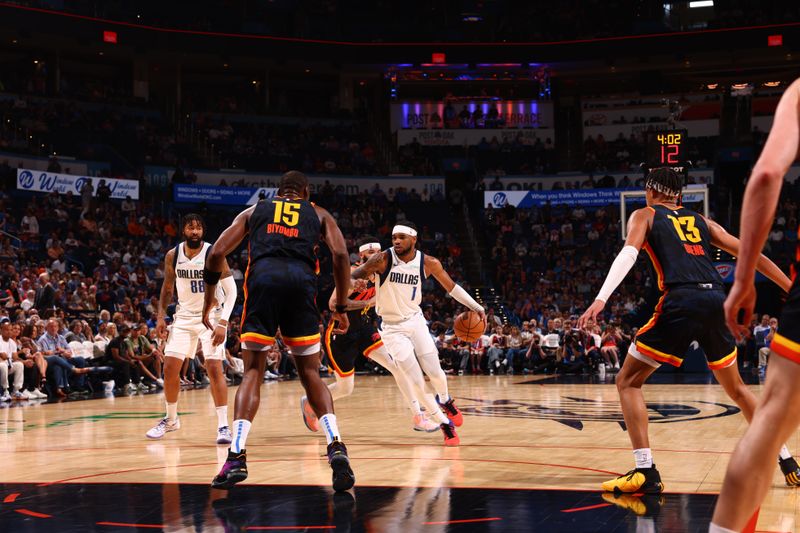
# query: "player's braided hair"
(664, 180)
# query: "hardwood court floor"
(534, 452)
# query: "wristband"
(340, 308)
(211, 278)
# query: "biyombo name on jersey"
(405, 279)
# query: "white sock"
(714, 528)
(172, 411)
(328, 422)
(241, 428)
(438, 417)
(414, 406)
(785, 453)
(222, 416)
(643, 457)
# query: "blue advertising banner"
(571, 197)
(40, 181)
(527, 199)
(211, 194)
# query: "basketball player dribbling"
(401, 270)
(183, 270)
(778, 413)
(363, 338)
(678, 242)
(280, 290)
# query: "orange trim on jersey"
(257, 338)
(373, 348)
(656, 265)
(724, 362)
(661, 357)
(301, 341)
(244, 286)
(328, 333)
(657, 313)
(785, 348)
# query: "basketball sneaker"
(233, 471)
(450, 436)
(644, 480)
(343, 477)
(638, 504)
(309, 416)
(452, 412)
(423, 423)
(224, 435)
(163, 427)
(791, 471)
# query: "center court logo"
(574, 412)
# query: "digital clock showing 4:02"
(664, 148)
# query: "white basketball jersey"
(189, 282)
(399, 288)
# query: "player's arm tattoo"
(376, 263)
(168, 285)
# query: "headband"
(404, 229)
(369, 246)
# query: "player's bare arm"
(341, 266)
(352, 305)
(228, 241)
(433, 267)
(760, 201)
(374, 265)
(725, 241)
(167, 290)
(639, 226)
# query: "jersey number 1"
(286, 212)
(413, 293)
(684, 226)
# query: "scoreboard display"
(666, 148)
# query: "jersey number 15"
(287, 213)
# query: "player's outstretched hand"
(591, 314)
(482, 314)
(740, 302)
(342, 323)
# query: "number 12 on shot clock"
(665, 148)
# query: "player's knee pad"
(347, 384)
(636, 354)
(312, 349)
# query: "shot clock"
(665, 148)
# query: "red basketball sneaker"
(452, 412)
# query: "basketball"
(469, 326)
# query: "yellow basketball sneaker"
(791, 471)
(643, 480)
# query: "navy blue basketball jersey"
(679, 245)
(282, 227)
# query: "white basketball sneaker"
(164, 426)
(423, 423)
(224, 435)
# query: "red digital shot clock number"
(665, 148)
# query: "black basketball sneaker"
(233, 471)
(343, 477)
